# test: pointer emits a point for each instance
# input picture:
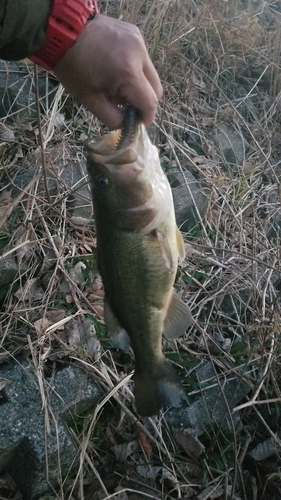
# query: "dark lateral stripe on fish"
(130, 120)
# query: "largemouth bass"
(138, 247)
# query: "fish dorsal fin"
(165, 250)
(178, 318)
(118, 335)
(180, 244)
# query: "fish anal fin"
(178, 318)
(166, 251)
(180, 244)
(118, 335)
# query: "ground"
(219, 119)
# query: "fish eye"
(101, 181)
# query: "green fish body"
(138, 247)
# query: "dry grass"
(219, 63)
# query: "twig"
(37, 100)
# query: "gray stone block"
(75, 178)
(213, 407)
(190, 199)
(231, 146)
(17, 91)
(9, 269)
(71, 180)
(35, 446)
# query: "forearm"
(22, 27)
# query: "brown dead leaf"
(4, 356)
(7, 135)
(120, 494)
(5, 197)
(5, 200)
(97, 288)
(76, 273)
(52, 318)
(199, 160)
(55, 315)
(96, 297)
(148, 471)
(41, 326)
(146, 446)
(124, 450)
(50, 258)
(81, 222)
(187, 491)
(30, 291)
(80, 333)
(63, 286)
(24, 241)
(7, 483)
(99, 310)
(208, 121)
(191, 444)
(169, 478)
(211, 493)
(110, 436)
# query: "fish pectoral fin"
(180, 244)
(178, 318)
(165, 250)
(118, 335)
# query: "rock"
(8, 270)
(244, 101)
(212, 408)
(17, 91)
(9, 274)
(33, 438)
(25, 175)
(75, 177)
(190, 199)
(270, 212)
(73, 182)
(235, 304)
(265, 449)
(231, 146)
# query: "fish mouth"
(109, 147)
(118, 151)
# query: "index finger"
(153, 78)
(141, 94)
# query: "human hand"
(109, 65)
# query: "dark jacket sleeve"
(22, 27)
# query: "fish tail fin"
(159, 388)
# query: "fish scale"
(135, 280)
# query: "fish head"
(126, 183)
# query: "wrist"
(66, 21)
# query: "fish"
(138, 249)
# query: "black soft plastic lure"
(130, 120)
